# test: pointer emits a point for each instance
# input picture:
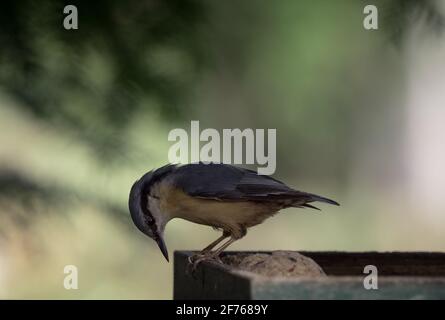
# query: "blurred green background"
(84, 113)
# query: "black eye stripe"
(147, 214)
(152, 225)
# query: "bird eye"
(149, 221)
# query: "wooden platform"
(401, 275)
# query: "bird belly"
(231, 216)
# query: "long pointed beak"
(162, 246)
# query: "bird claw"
(196, 259)
(193, 262)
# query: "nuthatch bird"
(222, 196)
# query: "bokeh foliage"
(91, 80)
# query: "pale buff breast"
(233, 217)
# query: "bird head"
(150, 223)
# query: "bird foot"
(196, 259)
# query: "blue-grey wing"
(226, 182)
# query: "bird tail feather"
(308, 198)
(314, 197)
